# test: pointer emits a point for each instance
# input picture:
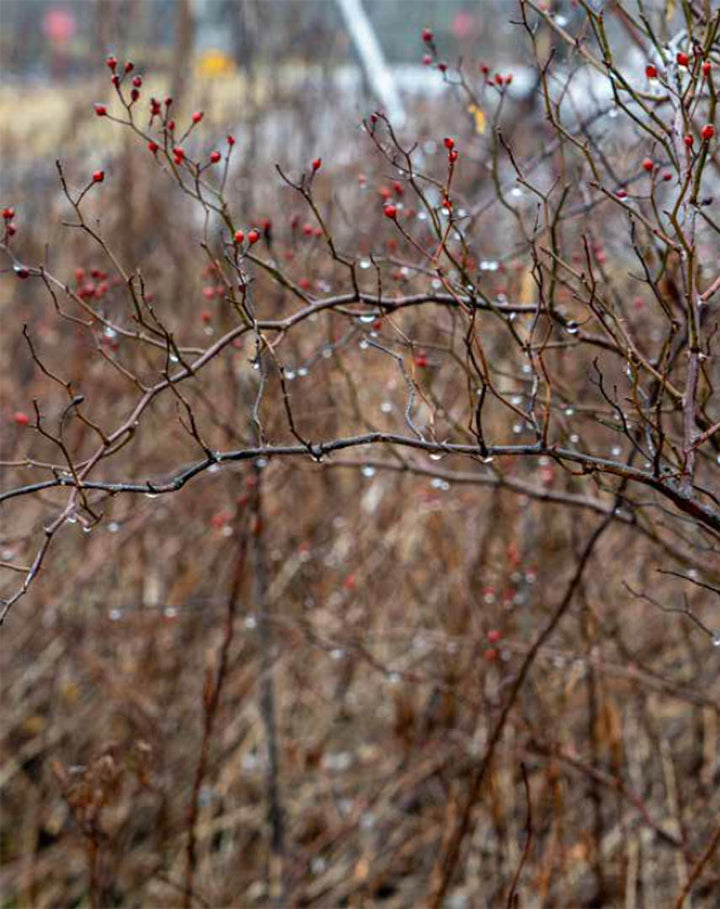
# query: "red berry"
(137, 81)
(197, 116)
(498, 79)
(427, 60)
(153, 147)
(215, 157)
(442, 67)
(206, 315)
(305, 283)
(101, 110)
(239, 236)
(115, 79)
(154, 107)
(134, 95)
(98, 176)
(508, 78)
(491, 655)
(651, 71)
(449, 143)
(11, 229)
(179, 154)
(253, 237)
(427, 35)
(707, 132)
(484, 69)
(689, 140)
(317, 163)
(391, 212)
(682, 59)
(111, 62)
(706, 67)
(129, 66)
(22, 419)
(318, 232)
(231, 141)
(308, 230)
(21, 272)
(621, 194)
(385, 193)
(421, 360)
(79, 274)
(399, 188)
(8, 213)
(171, 126)
(648, 164)
(667, 176)
(494, 636)
(453, 156)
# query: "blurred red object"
(59, 25)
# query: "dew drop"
(422, 216)
(367, 470)
(113, 527)
(250, 621)
(87, 528)
(716, 640)
(289, 375)
(616, 451)
(394, 678)
(302, 371)
(572, 327)
(386, 407)
(170, 612)
(115, 615)
(368, 318)
(109, 332)
(363, 345)
(261, 463)
(337, 653)
(327, 352)
(213, 468)
(437, 456)
(516, 192)
(364, 263)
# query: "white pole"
(376, 69)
